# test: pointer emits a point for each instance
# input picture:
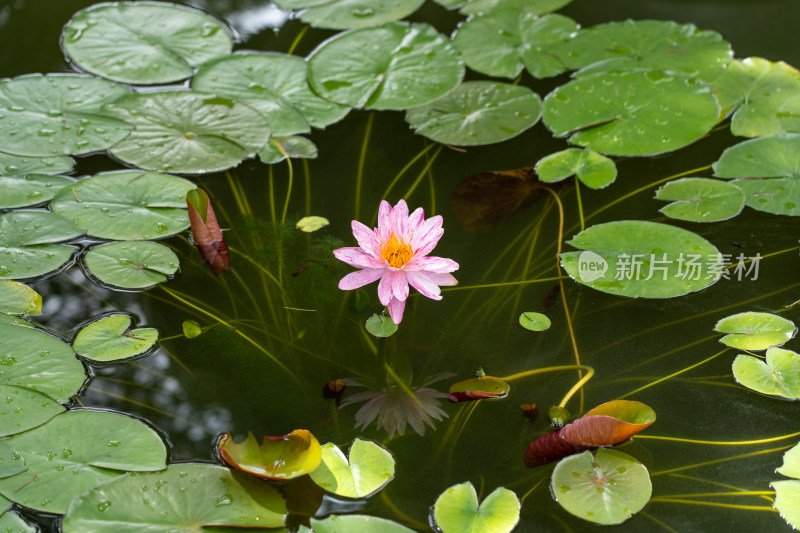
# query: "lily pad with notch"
(275, 85)
(22, 409)
(143, 42)
(19, 299)
(594, 170)
(131, 264)
(754, 330)
(58, 114)
(380, 325)
(28, 246)
(126, 205)
(111, 339)
(277, 458)
(23, 190)
(634, 113)
(641, 259)
(366, 470)
(477, 112)
(395, 66)
(701, 199)
(534, 321)
(187, 132)
(606, 489)
(778, 376)
(350, 14)
(76, 451)
(356, 523)
(211, 496)
(457, 510)
(279, 148)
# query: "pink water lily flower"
(396, 252)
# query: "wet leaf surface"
(111, 339)
(349, 14)
(594, 170)
(131, 264)
(19, 299)
(22, 409)
(26, 243)
(754, 330)
(701, 199)
(29, 189)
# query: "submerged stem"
(361, 158)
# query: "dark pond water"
(193, 390)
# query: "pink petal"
(431, 264)
(385, 288)
(415, 219)
(424, 284)
(398, 220)
(357, 257)
(429, 242)
(427, 235)
(399, 285)
(383, 231)
(442, 278)
(396, 308)
(366, 239)
(359, 278)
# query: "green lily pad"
(701, 199)
(481, 387)
(605, 489)
(380, 326)
(209, 495)
(187, 132)
(619, 257)
(143, 42)
(13, 523)
(23, 409)
(503, 42)
(58, 114)
(350, 14)
(787, 501)
(275, 85)
(76, 451)
(11, 164)
(395, 66)
(756, 89)
(127, 205)
(755, 331)
(312, 224)
(791, 463)
(131, 264)
(778, 376)
(23, 190)
(11, 463)
(111, 339)
(276, 458)
(647, 45)
(19, 299)
(594, 170)
(191, 329)
(32, 359)
(477, 112)
(632, 113)
(536, 7)
(534, 321)
(457, 511)
(355, 523)
(279, 148)
(368, 469)
(779, 196)
(777, 156)
(26, 243)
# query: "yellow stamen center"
(396, 253)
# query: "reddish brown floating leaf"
(206, 232)
(277, 458)
(551, 447)
(479, 388)
(486, 198)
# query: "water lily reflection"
(396, 406)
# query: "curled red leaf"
(206, 231)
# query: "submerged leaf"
(486, 198)
(191, 329)
(277, 458)
(312, 224)
(779, 375)
(206, 231)
(457, 511)
(478, 388)
(110, 339)
(367, 469)
(754, 330)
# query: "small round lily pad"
(380, 326)
(27, 248)
(366, 469)
(131, 264)
(457, 511)
(351, 14)
(534, 321)
(594, 170)
(477, 112)
(311, 224)
(779, 375)
(111, 339)
(755, 331)
(701, 199)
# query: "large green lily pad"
(26, 243)
(187, 132)
(76, 451)
(477, 112)
(478, 7)
(22, 409)
(11, 164)
(29, 189)
(503, 42)
(647, 45)
(58, 114)
(11, 463)
(777, 156)
(594, 170)
(619, 257)
(457, 511)
(275, 85)
(787, 501)
(356, 523)
(755, 331)
(13, 523)
(350, 14)
(791, 463)
(606, 489)
(779, 196)
(143, 42)
(365, 471)
(778, 376)
(32, 359)
(632, 112)
(111, 339)
(127, 205)
(279, 148)
(701, 199)
(395, 66)
(131, 264)
(184, 498)
(19, 299)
